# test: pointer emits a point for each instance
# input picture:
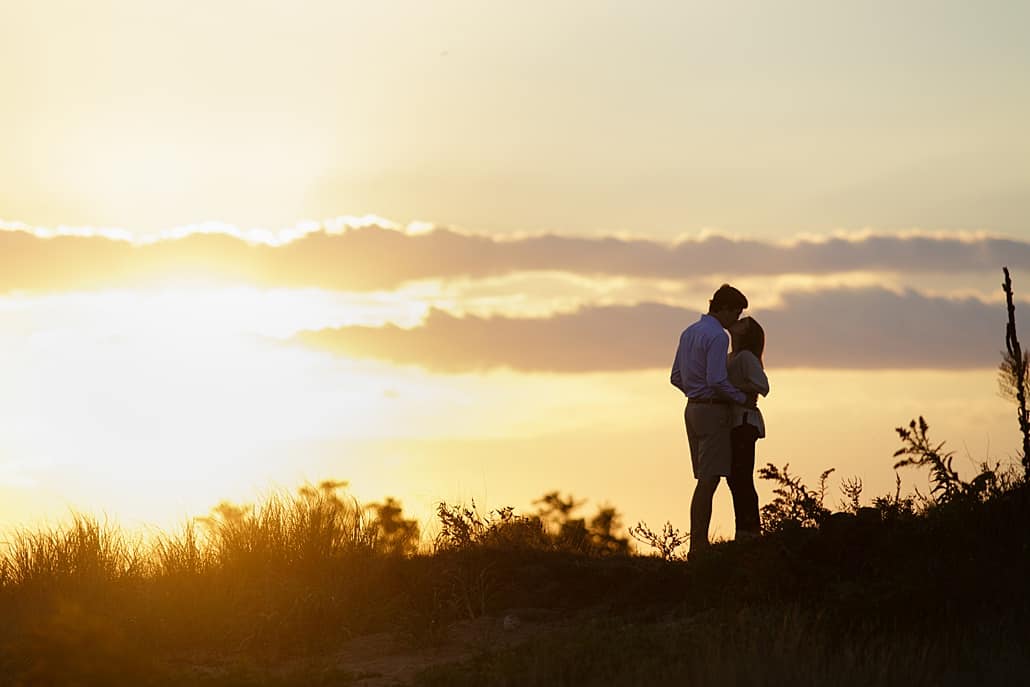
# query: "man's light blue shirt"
(699, 370)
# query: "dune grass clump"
(289, 575)
(302, 532)
(84, 552)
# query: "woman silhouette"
(746, 372)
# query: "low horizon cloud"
(860, 328)
(375, 257)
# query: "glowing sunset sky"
(444, 249)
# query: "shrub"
(667, 544)
(795, 504)
(462, 528)
(946, 485)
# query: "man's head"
(726, 305)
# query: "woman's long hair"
(753, 338)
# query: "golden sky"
(444, 250)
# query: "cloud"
(868, 328)
(360, 256)
(599, 338)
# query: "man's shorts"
(708, 433)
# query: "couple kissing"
(722, 416)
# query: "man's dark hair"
(727, 298)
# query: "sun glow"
(182, 389)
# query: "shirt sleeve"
(756, 375)
(675, 377)
(716, 377)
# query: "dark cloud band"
(842, 328)
(373, 257)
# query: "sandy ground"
(381, 660)
(387, 659)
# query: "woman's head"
(747, 335)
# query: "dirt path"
(380, 660)
(384, 659)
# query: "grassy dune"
(936, 600)
(288, 592)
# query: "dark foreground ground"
(939, 598)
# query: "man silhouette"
(699, 371)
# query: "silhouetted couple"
(722, 416)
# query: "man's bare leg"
(701, 512)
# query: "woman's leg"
(742, 480)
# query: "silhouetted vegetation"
(909, 590)
(1011, 377)
(795, 504)
(395, 534)
(1014, 373)
(667, 544)
(946, 485)
(552, 528)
